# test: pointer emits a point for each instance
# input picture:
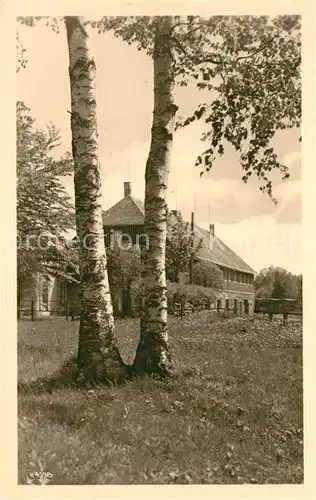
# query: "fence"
(179, 305)
(285, 307)
(31, 310)
(182, 307)
(69, 310)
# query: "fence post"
(32, 310)
(67, 310)
(182, 301)
(285, 317)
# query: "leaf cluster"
(278, 283)
(44, 209)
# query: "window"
(219, 304)
(227, 304)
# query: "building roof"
(214, 250)
(130, 211)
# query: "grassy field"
(233, 413)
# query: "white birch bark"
(98, 355)
(153, 355)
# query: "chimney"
(212, 229)
(127, 189)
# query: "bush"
(187, 297)
(206, 274)
(123, 265)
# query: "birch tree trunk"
(98, 354)
(153, 355)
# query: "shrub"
(189, 297)
(123, 265)
(206, 274)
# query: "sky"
(260, 232)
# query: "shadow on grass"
(57, 413)
(67, 377)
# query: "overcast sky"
(262, 233)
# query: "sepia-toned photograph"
(160, 250)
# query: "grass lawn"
(232, 414)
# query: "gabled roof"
(214, 249)
(130, 211)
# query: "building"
(124, 222)
(238, 292)
(125, 219)
(48, 296)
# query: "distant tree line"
(278, 283)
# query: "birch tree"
(248, 71)
(153, 354)
(98, 355)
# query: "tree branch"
(260, 49)
(179, 45)
(257, 51)
(191, 31)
